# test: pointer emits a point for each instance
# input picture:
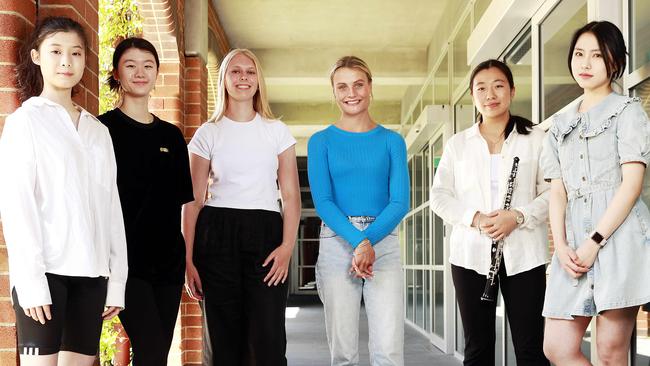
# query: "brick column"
(191, 331)
(17, 19)
(196, 94)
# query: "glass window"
(426, 244)
(412, 176)
(427, 97)
(639, 30)
(558, 87)
(479, 8)
(441, 82)
(464, 115)
(439, 226)
(518, 57)
(461, 68)
(409, 240)
(419, 298)
(409, 295)
(417, 179)
(460, 335)
(643, 91)
(427, 301)
(418, 235)
(439, 303)
(426, 173)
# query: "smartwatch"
(598, 238)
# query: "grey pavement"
(307, 343)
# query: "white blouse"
(59, 202)
(462, 186)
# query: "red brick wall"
(196, 94)
(163, 26)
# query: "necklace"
(494, 143)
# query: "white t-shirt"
(243, 161)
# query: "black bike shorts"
(77, 306)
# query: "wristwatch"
(519, 217)
(598, 238)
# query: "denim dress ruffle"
(586, 150)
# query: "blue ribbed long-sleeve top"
(359, 174)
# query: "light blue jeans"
(341, 295)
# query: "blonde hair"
(350, 62)
(260, 100)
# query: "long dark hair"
(523, 125)
(125, 45)
(611, 44)
(29, 77)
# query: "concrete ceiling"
(297, 41)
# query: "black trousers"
(149, 319)
(523, 295)
(245, 316)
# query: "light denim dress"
(586, 151)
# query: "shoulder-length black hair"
(125, 45)
(611, 44)
(523, 125)
(29, 77)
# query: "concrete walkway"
(307, 343)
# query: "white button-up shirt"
(461, 187)
(59, 202)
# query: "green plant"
(107, 342)
(118, 19)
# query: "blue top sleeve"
(321, 191)
(399, 189)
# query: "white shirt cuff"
(468, 217)
(115, 294)
(33, 293)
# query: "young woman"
(154, 182)
(360, 186)
(595, 156)
(60, 206)
(238, 255)
(469, 191)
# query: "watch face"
(597, 237)
(520, 219)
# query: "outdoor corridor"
(307, 343)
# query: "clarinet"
(489, 294)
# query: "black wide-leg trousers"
(523, 295)
(245, 316)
